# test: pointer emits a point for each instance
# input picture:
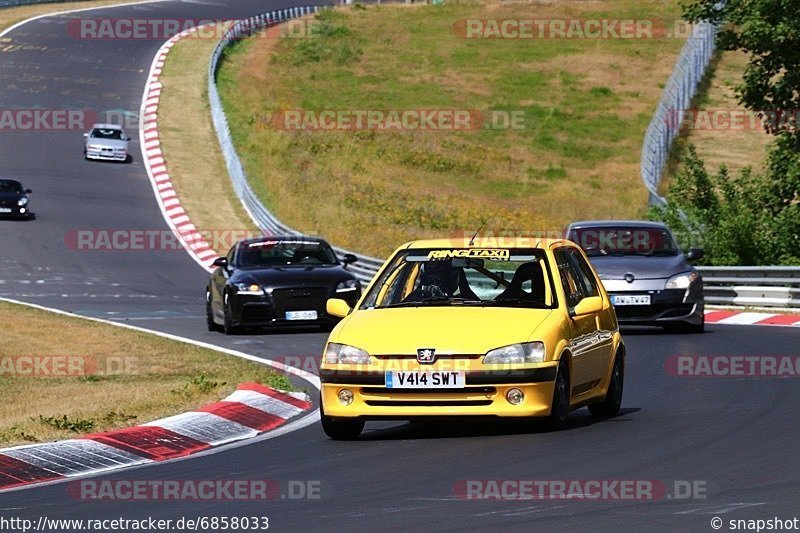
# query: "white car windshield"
(107, 133)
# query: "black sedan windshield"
(275, 252)
(10, 186)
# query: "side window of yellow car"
(585, 275)
(572, 290)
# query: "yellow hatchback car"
(454, 328)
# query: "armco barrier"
(752, 286)
(366, 267)
(675, 101)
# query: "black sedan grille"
(300, 299)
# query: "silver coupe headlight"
(682, 281)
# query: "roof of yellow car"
(510, 242)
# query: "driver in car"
(440, 279)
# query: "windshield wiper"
(521, 302)
(449, 300)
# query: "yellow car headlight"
(345, 355)
(516, 354)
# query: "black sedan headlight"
(350, 285)
(249, 288)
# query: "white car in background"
(107, 142)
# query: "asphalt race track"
(737, 437)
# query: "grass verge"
(190, 146)
(586, 105)
(93, 377)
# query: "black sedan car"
(646, 274)
(278, 281)
(14, 199)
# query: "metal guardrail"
(752, 286)
(366, 267)
(675, 101)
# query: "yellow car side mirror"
(337, 307)
(587, 306)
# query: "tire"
(340, 429)
(560, 406)
(687, 328)
(210, 324)
(227, 323)
(613, 400)
(696, 328)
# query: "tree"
(742, 219)
(768, 30)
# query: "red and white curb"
(748, 318)
(251, 410)
(156, 166)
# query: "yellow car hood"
(449, 330)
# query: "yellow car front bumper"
(484, 395)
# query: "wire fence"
(675, 101)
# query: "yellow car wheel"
(338, 429)
(613, 400)
(560, 407)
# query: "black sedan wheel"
(212, 326)
(227, 323)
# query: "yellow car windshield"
(441, 277)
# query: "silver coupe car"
(648, 277)
(107, 142)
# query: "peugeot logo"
(426, 356)
(629, 277)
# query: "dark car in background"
(646, 274)
(14, 199)
(278, 281)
